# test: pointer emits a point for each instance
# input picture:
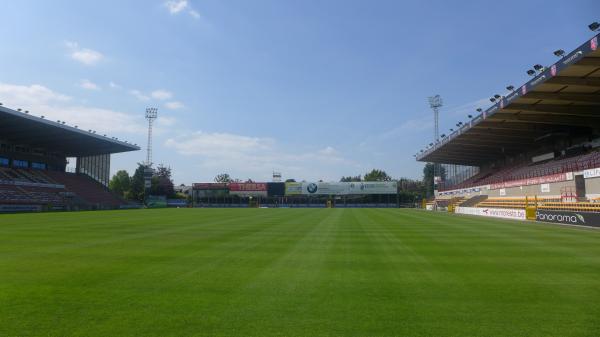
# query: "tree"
(428, 172)
(136, 191)
(161, 181)
(120, 183)
(377, 175)
(290, 180)
(351, 179)
(223, 178)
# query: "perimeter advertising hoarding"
(505, 213)
(342, 188)
(569, 217)
(248, 189)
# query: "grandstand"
(537, 147)
(33, 165)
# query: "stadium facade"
(33, 164)
(536, 148)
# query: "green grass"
(294, 272)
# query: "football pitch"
(294, 272)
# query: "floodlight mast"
(151, 115)
(435, 103)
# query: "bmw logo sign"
(312, 188)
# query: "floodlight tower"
(435, 103)
(151, 115)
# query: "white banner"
(506, 213)
(592, 173)
(345, 188)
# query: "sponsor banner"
(505, 213)
(553, 178)
(20, 208)
(293, 188)
(210, 186)
(248, 189)
(156, 201)
(592, 173)
(569, 217)
(545, 188)
(342, 188)
(463, 191)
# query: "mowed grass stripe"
(294, 272)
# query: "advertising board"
(591, 173)
(569, 217)
(210, 186)
(341, 188)
(248, 189)
(553, 178)
(505, 213)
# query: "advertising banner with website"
(505, 213)
(553, 178)
(341, 188)
(248, 189)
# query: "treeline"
(132, 187)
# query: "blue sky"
(314, 89)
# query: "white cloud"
(161, 94)
(256, 157)
(114, 85)
(89, 85)
(85, 56)
(165, 121)
(176, 6)
(41, 100)
(139, 95)
(174, 105)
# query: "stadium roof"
(562, 99)
(22, 128)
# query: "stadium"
(507, 245)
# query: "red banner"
(248, 187)
(553, 178)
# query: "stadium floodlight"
(470, 116)
(443, 135)
(510, 88)
(451, 130)
(479, 109)
(538, 67)
(492, 100)
(531, 72)
(151, 115)
(496, 96)
(559, 53)
(594, 26)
